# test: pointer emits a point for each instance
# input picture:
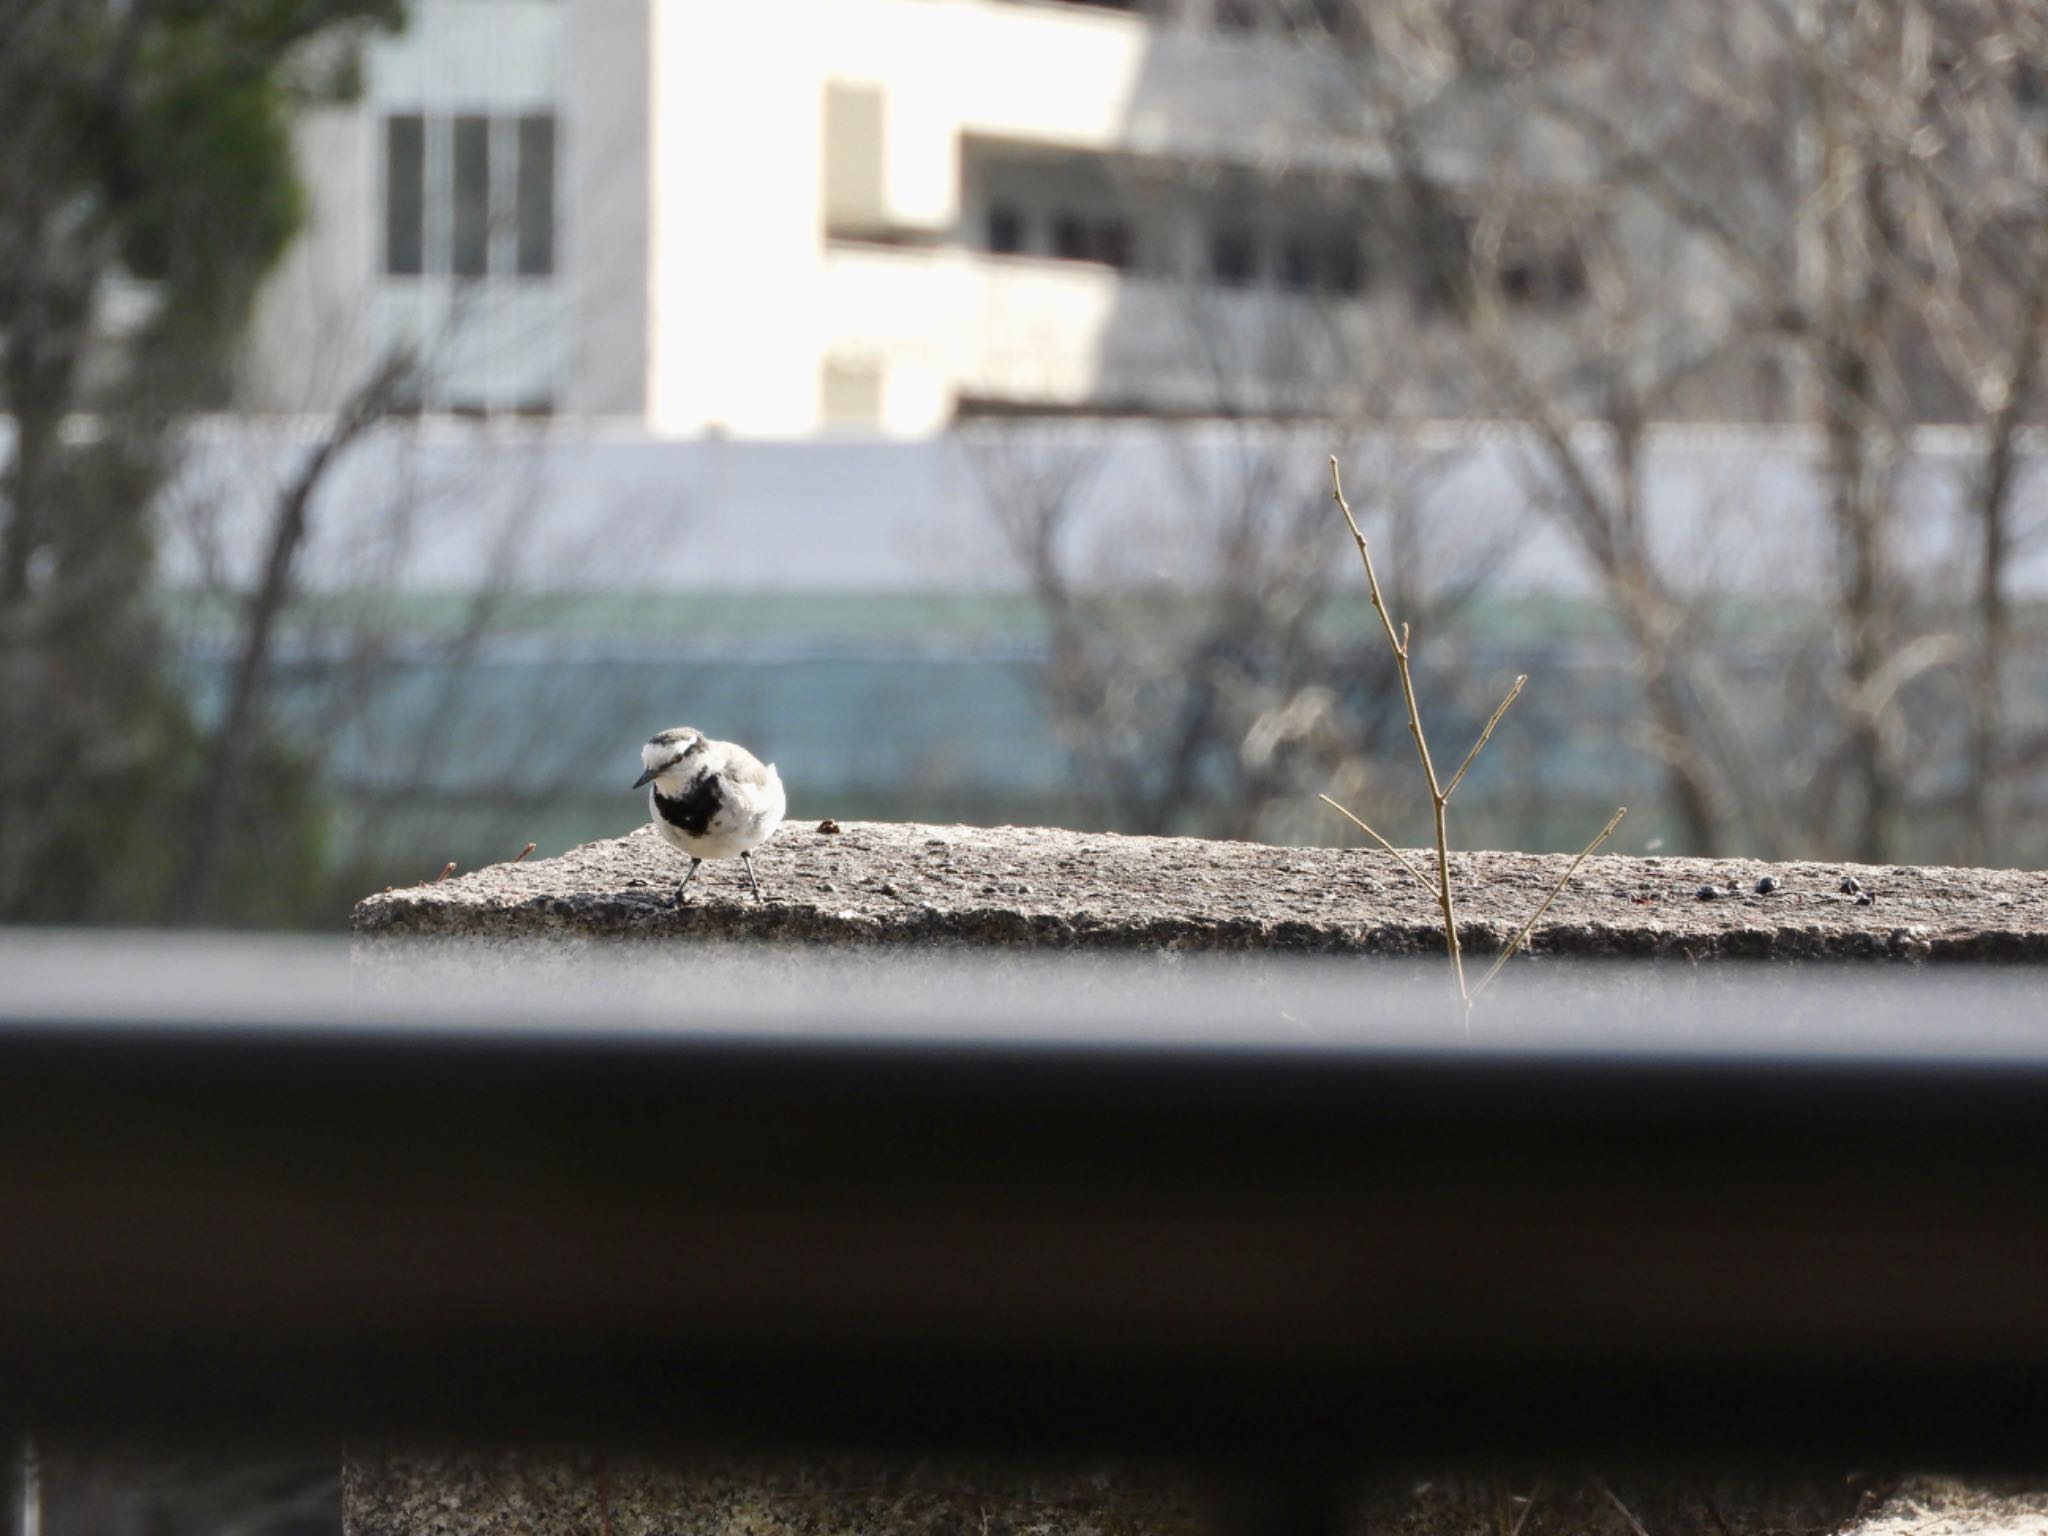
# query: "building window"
(1441, 248)
(1006, 231)
(1113, 243)
(2029, 85)
(1297, 266)
(469, 196)
(535, 196)
(1233, 258)
(1539, 275)
(1330, 265)
(472, 197)
(1106, 241)
(1344, 269)
(1070, 240)
(405, 195)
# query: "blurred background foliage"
(150, 142)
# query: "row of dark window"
(457, 164)
(1105, 241)
(1300, 263)
(1329, 263)
(1236, 259)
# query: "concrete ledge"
(484, 1495)
(879, 883)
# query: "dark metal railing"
(1211, 1245)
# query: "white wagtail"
(712, 799)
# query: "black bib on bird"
(692, 810)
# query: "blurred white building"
(784, 217)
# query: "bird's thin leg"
(748, 860)
(686, 880)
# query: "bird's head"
(669, 752)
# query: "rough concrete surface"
(514, 1495)
(567, 1495)
(1944, 1507)
(893, 883)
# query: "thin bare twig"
(1399, 857)
(1513, 693)
(1535, 1492)
(1626, 1513)
(1713, 1510)
(1536, 916)
(1398, 640)
(1439, 792)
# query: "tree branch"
(195, 890)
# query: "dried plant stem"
(1534, 917)
(1626, 1513)
(1398, 856)
(1440, 792)
(1397, 640)
(1514, 693)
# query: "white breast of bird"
(729, 804)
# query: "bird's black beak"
(644, 778)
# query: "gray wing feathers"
(753, 793)
(743, 768)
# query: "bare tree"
(1202, 671)
(389, 609)
(1199, 670)
(1821, 213)
(240, 732)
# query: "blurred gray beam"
(769, 1236)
